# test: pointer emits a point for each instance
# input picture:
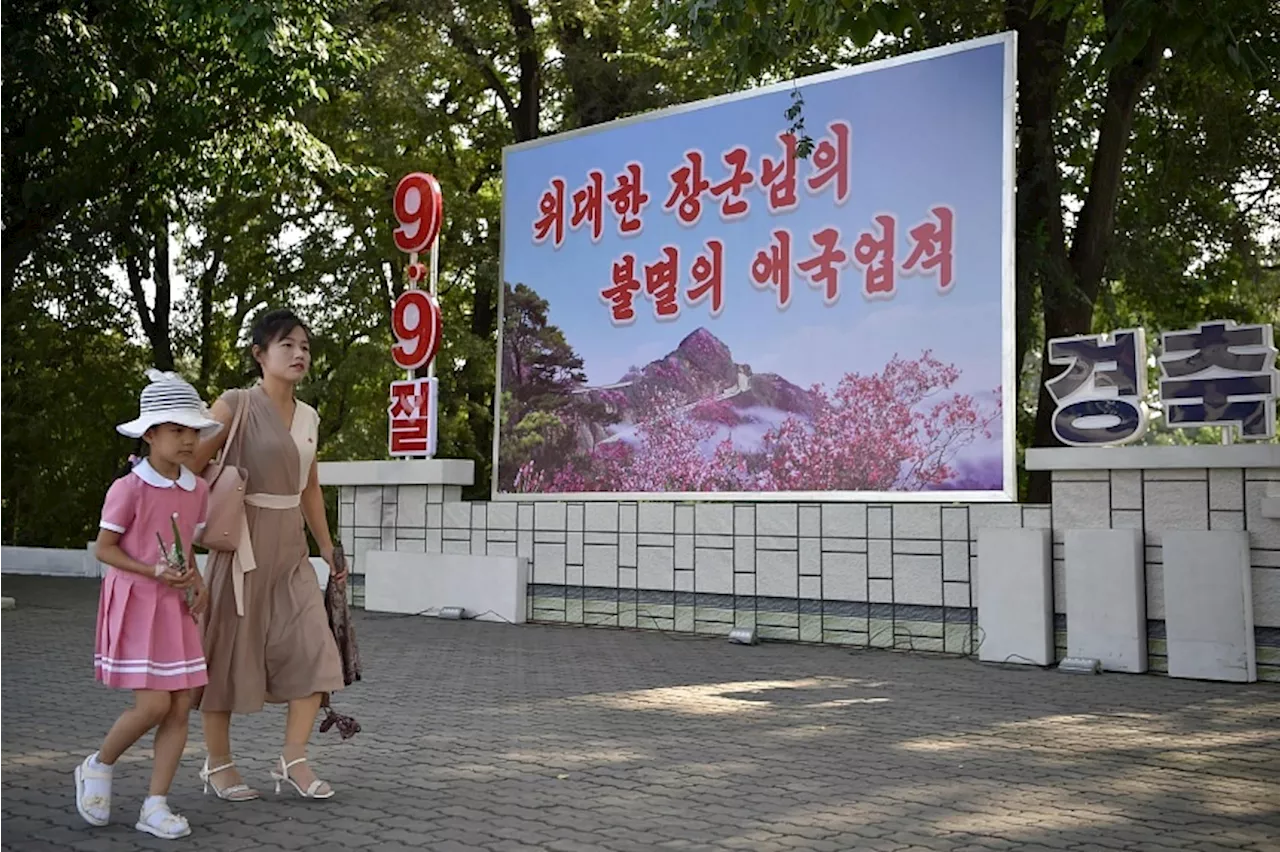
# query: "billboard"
(694, 306)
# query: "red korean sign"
(415, 319)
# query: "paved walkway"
(496, 738)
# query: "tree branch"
(1095, 227)
(134, 271)
(485, 66)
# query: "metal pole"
(435, 274)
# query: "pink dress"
(147, 639)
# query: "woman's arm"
(208, 449)
(318, 521)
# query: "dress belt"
(244, 562)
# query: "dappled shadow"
(631, 740)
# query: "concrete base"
(8, 603)
(1208, 606)
(1106, 598)
(1015, 596)
(488, 588)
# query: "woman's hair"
(270, 327)
(139, 453)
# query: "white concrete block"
(1015, 604)
(776, 573)
(844, 520)
(502, 516)
(1081, 505)
(910, 521)
(1208, 604)
(810, 557)
(457, 516)
(1106, 598)
(811, 521)
(714, 571)
(713, 519)
(549, 516)
(369, 506)
(880, 559)
(657, 568)
(844, 576)
(600, 562)
(548, 564)
(684, 520)
(412, 506)
(1226, 489)
(492, 588)
(955, 523)
(917, 580)
(602, 517)
(657, 518)
(780, 519)
(1126, 489)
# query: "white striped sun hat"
(170, 399)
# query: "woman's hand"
(336, 573)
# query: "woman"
(266, 635)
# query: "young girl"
(148, 640)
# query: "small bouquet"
(176, 558)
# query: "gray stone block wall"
(870, 575)
(1159, 500)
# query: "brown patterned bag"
(344, 633)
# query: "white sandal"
(159, 821)
(93, 792)
(312, 788)
(233, 793)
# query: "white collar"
(143, 470)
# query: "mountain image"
(698, 421)
(700, 377)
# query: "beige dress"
(269, 640)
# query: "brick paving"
(498, 738)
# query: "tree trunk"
(1040, 238)
(206, 319)
(155, 321)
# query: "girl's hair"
(139, 453)
(270, 327)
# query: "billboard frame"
(1009, 370)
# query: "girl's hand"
(171, 577)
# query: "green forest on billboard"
(170, 168)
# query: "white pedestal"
(1106, 598)
(1015, 596)
(1208, 605)
(488, 588)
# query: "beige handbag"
(225, 518)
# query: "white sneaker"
(156, 819)
(93, 791)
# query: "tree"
(1085, 76)
(111, 114)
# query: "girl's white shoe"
(313, 789)
(156, 819)
(93, 791)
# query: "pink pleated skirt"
(147, 638)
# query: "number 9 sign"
(419, 209)
(417, 326)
